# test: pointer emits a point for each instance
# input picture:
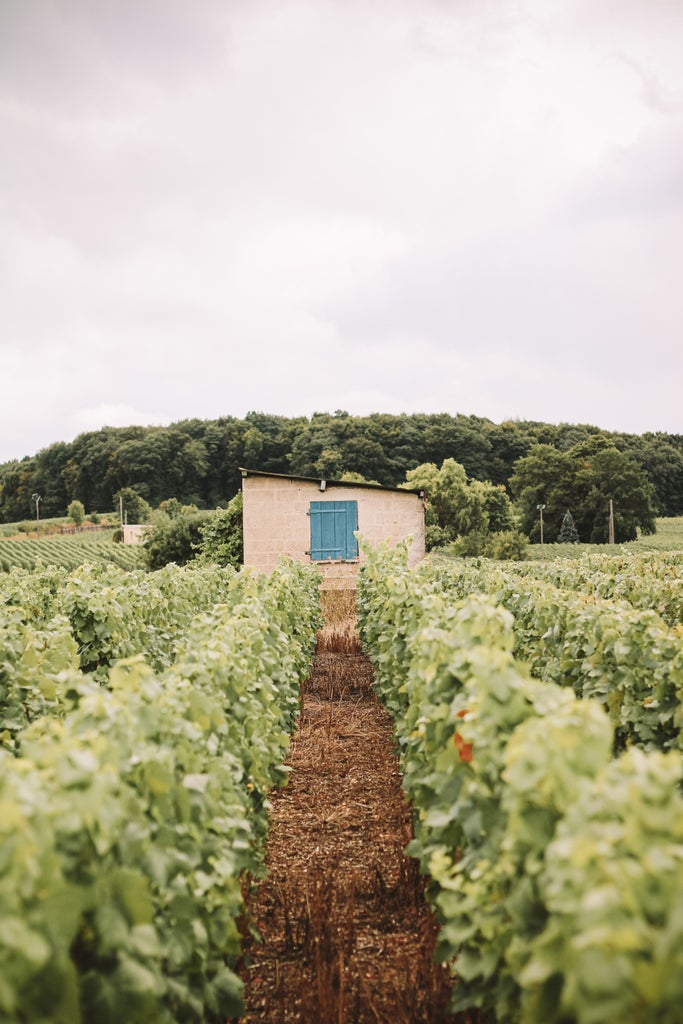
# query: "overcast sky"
(215, 206)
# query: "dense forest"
(197, 461)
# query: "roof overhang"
(322, 483)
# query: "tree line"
(196, 462)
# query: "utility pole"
(540, 510)
(611, 522)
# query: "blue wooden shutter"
(332, 527)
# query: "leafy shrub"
(76, 512)
(505, 545)
(174, 540)
(223, 537)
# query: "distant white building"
(134, 534)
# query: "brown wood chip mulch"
(347, 936)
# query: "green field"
(68, 550)
(49, 527)
(669, 537)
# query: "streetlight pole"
(540, 511)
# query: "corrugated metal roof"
(323, 482)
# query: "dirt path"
(347, 935)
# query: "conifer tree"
(568, 533)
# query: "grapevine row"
(132, 814)
(54, 620)
(67, 552)
(652, 582)
(555, 868)
(625, 657)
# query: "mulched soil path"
(347, 936)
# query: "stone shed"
(314, 520)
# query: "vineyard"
(144, 720)
(68, 551)
(539, 730)
(145, 736)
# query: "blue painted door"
(332, 528)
